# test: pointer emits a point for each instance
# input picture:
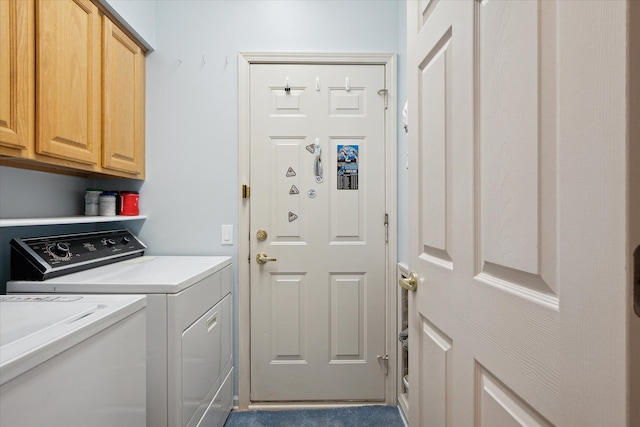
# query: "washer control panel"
(40, 258)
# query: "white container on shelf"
(108, 204)
(92, 201)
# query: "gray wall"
(191, 187)
(30, 194)
(192, 106)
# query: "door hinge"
(385, 92)
(386, 228)
(636, 284)
(246, 191)
(385, 360)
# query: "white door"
(318, 194)
(520, 307)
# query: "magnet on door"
(292, 217)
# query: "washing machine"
(189, 350)
(72, 360)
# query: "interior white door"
(499, 230)
(318, 193)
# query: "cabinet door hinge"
(385, 92)
(385, 360)
(246, 191)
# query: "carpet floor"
(356, 416)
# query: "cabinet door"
(68, 81)
(17, 48)
(123, 102)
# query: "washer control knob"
(125, 240)
(61, 249)
(111, 242)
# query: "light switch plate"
(226, 234)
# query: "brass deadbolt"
(261, 235)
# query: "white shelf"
(80, 219)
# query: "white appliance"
(189, 351)
(72, 360)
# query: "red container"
(129, 203)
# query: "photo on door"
(347, 167)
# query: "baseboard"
(309, 405)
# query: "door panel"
(347, 317)
(435, 180)
(483, 194)
(288, 153)
(519, 205)
(516, 144)
(288, 296)
(435, 349)
(509, 139)
(318, 180)
(515, 189)
(437, 55)
(348, 207)
(500, 406)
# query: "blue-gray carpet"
(356, 416)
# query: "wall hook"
(203, 60)
(179, 62)
(287, 88)
(226, 60)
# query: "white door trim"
(245, 59)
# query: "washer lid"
(35, 328)
(31, 317)
(143, 275)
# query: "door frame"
(245, 60)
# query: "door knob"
(410, 283)
(263, 258)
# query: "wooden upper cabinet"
(68, 77)
(17, 108)
(72, 90)
(123, 102)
